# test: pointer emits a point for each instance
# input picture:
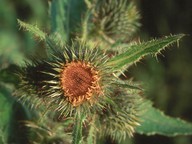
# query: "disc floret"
(79, 81)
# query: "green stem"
(77, 129)
(91, 139)
(85, 26)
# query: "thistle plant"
(75, 94)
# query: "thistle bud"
(116, 19)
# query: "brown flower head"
(73, 77)
(79, 81)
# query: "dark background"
(168, 81)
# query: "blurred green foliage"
(14, 47)
(168, 80)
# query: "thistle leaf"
(156, 122)
(76, 9)
(77, 129)
(11, 114)
(33, 29)
(60, 18)
(137, 51)
(10, 51)
(5, 114)
(66, 17)
(7, 75)
(52, 41)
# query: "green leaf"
(77, 9)
(33, 29)
(5, 115)
(66, 17)
(51, 41)
(60, 18)
(10, 51)
(77, 129)
(136, 51)
(11, 114)
(156, 122)
(127, 84)
(128, 140)
(8, 75)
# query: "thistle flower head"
(79, 81)
(117, 19)
(73, 77)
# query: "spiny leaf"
(66, 17)
(137, 51)
(11, 114)
(128, 84)
(60, 18)
(76, 9)
(33, 29)
(52, 41)
(77, 129)
(156, 122)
